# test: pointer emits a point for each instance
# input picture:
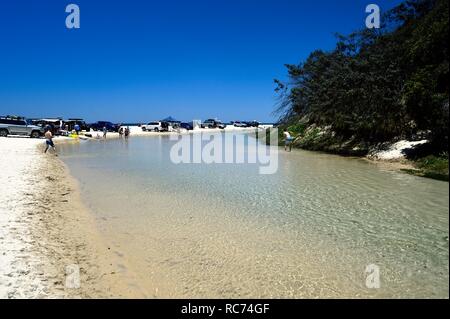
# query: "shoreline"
(124, 234)
(46, 228)
(400, 164)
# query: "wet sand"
(44, 228)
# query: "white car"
(18, 126)
(153, 127)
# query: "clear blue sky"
(137, 61)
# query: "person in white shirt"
(287, 140)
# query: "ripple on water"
(308, 231)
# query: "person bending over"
(288, 140)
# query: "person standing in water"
(127, 132)
(288, 139)
(77, 129)
(105, 131)
(49, 141)
(121, 132)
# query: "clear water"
(224, 231)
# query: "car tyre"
(35, 134)
(3, 133)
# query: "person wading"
(288, 140)
(49, 141)
(77, 129)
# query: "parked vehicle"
(19, 126)
(153, 127)
(55, 125)
(240, 124)
(70, 125)
(187, 126)
(110, 127)
(210, 123)
(253, 124)
(171, 122)
(166, 127)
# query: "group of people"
(124, 132)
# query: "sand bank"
(46, 233)
(395, 151)
(137, 131)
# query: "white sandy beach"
(20, 269)
(137, 131)
(44, 228)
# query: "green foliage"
(432, 166)
(435, 163)
(377, 85)
(297, 129)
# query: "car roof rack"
(12, 117)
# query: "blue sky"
(137, 61)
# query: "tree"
(377, 84)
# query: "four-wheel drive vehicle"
(187, 126)
(252, 124)
(213, 124)
(110, 127)
(54, 125)
(240, 124)
(70, 125)
(153, 126)
(19, 126)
